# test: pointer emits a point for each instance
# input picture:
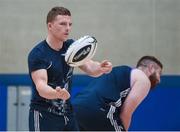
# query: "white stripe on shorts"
(36, 120)
(113, 109)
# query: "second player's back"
(104, 89)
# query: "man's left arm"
(138, 92)
(95, 69)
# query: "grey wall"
(125, 30)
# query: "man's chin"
(64, 38)
(153, 84)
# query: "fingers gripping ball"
(80, 51)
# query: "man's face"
(155, 77)
(60, 27)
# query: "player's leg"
(72, 124)
(45, 121)
(92, 120)
(31, 121)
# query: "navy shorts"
(46, 121)
(96, 120)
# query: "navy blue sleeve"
(36, 61)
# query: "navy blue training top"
(42, 56)
(105, 90)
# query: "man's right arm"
(40, 79)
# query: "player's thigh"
(45, 121)
(92, 120)
(72, 124)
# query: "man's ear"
(49, 25)
(151, 68)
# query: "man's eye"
(63, 23)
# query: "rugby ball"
(80, 51)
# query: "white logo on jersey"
(49, 65)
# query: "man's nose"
(159, 79)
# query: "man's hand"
(62, 93)
(106, 66)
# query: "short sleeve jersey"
(42, 56)
(106, 90)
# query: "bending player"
(108, 103)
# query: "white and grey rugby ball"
(80, 51)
